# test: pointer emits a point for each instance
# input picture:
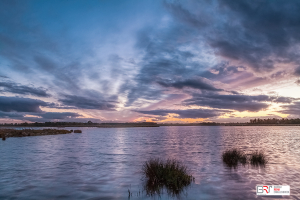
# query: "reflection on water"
(105, 163)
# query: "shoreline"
(6, 133)
(230, 124)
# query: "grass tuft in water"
(233, 157)
(170, 174)
(258, 158)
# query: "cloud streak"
(189, 83)
(189, 113)
(10, 104)
(292, 109)
(87, 103)
(23, 89)
(236, 102)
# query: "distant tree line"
(275, 121)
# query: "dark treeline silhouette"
(253, 122)
(275, 121)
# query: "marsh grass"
(170, 174)
(258, 158)
(233, 157)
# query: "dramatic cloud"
(10, 104)
(246, 33)
(164, 59)
(283, 99)
(259, 33)
(57, 115)
(235, 102)
(101, 60)
(47, 116)
(191, 83)
(189, 113)
(22, 89)
(87, 103)
(18, 108)
(292, 109)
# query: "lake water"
(103, 163)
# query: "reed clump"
(258, 158)
(233, 157)
(170, 174)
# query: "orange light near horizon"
(170, 118)
(258, 114)
(35, 116)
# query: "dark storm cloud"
(258, 33)
(9, 104)
(292, 109)
(87, 103)
(237, 102)
(191, 83)
(22, 89)
(190, 113)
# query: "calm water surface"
(103, 163)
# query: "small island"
(5, 133)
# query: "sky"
(161, 61)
